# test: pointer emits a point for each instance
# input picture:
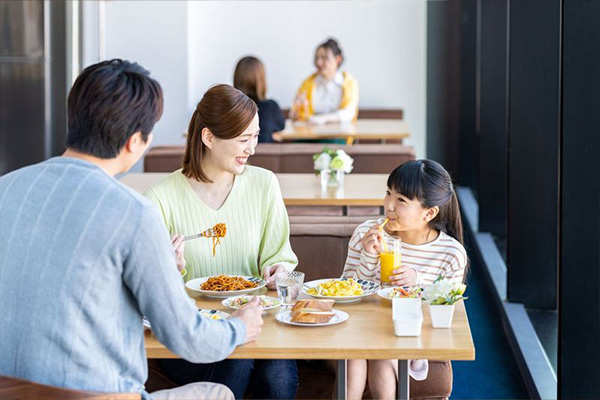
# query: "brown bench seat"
(295, 157)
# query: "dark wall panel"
(532, 240)
(22, 114)
(443, 65)
(57, 131)
(33, 86)
(579, 305)
(22, 84)
(493, 136)
(468, 134)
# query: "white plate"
(286, 318)
(212, 314)
(384, 293)
(369, 288)
(195, 285)
(273, 301)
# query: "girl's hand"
(404, 276)
(371, 241)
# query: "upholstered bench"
(295, 157)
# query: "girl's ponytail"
(449, 220)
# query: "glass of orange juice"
(390, 259)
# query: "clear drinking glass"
(289, 285)
(390, 259)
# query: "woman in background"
(329, 95)
(249, 77)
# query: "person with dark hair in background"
(249, 77)
(216, 186)
(84, 257)
(329, 95)
(422, 211)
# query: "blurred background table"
(370, 129)
(302, 189)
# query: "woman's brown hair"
(249, 77)
(226, 112)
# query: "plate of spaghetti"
(223, 286)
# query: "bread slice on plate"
(313, 305)
(312, 317)
(312, 311)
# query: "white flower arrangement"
(443, 292)
(335, 160)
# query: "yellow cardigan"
(349, 95)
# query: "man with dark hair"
(82, 257)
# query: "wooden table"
(302, 189)
(378, 129)
(368, 334)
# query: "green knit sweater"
(258, 229)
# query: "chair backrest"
(328, 234)
(19, 389)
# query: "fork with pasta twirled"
(216, 233)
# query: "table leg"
(342, 377)
(403, 380)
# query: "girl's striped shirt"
(444, 256)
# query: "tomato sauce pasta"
(224, 283)
(220, 230)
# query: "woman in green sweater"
(215, 185)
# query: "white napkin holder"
(408, 317)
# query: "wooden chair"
(19, 389)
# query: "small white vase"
(441, 315)
(332, 178)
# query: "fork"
(210, 232)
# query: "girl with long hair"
(422, 211)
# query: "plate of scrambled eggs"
(342, 290)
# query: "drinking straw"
(381, 230)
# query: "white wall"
(154, 34)
(190, 46)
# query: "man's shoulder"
(22, 172)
